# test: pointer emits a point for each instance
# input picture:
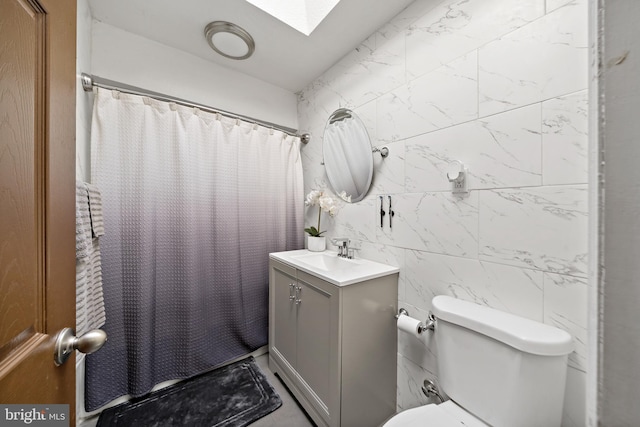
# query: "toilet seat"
(446, 414)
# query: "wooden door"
(37, 174)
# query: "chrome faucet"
(343, 246)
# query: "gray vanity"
(332, 335)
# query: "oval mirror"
(347, 155)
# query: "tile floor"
(290, 414)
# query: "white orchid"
(313, 197)
(326, 203)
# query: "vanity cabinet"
(334, 346)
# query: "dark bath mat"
(232, 396)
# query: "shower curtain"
(193, 204)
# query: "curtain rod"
(89, 81)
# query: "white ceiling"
(283, 56)
(303, 15)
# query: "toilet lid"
(447, 414)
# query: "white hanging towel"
(95, 210)
(90, 312)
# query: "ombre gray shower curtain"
(193, 203)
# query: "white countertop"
(329, 266)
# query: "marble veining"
(511, 289)
(444, 97)
(411, 375)
(455, 28)
(385, 255)
(367, 114)
(554, 4)
(500, 151)
(565, 302)
(544, 228)
(390, 171)
(374, 70)
(435, 222)
(354, 220)
(565, 141)
(544, 59)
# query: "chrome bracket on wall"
(430, 390)
(428, 325)
(402, 311)
(305, 138)
(384, 151)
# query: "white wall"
(125, 57)
(502, 86)
(84, 100)
(118, 55)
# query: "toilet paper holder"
(427, 325)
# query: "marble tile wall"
(500, 85)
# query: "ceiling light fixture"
(229, 40)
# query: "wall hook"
(457, 176)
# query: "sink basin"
(329, 266)
(328, 261)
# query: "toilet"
(498, 369)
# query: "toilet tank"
(504, 369)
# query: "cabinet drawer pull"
(298, 292)
(291, 288)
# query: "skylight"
(302, 15)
